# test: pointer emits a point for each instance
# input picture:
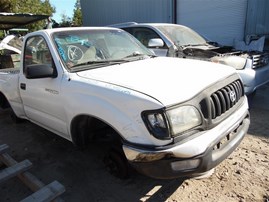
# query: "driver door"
(42, 97)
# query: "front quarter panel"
(116, 106)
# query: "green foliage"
(65, 21)
(77, 17)
(5, 6)
(41, 7)
(76, 20)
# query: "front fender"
(118, 107)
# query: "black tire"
(116, 164)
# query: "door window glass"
(143, 35)
(37, 51)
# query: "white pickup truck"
(166, 117)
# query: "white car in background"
(174, 40)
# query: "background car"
(174, 40)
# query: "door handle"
(23, 86)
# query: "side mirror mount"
(37, 71)
(155, 43)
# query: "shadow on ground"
(259, 113)
(81, 172)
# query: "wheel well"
(3, 101)
(85, 129)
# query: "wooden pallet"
(42, 192)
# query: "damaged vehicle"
(166, 117)
(174, 40)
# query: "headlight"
(156, 124)
(183, 118)
(177, 120)
(233, 61)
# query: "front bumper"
(254, 78)
(197, 155)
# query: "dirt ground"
(244, 176)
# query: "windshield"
(182, 36)
(92, 48)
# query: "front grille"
(222, 100)
(260, 60)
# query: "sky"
(62, 7)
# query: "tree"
(5, 6)
(76, 20)
(65, 21)
(77, 16)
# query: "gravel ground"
(244, 176)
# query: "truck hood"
(168, 80)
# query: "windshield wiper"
(89, 63)
(96, 64)
(100, 63)
(137, 55)
(134, 54)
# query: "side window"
(37, 52)
(144, 35)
